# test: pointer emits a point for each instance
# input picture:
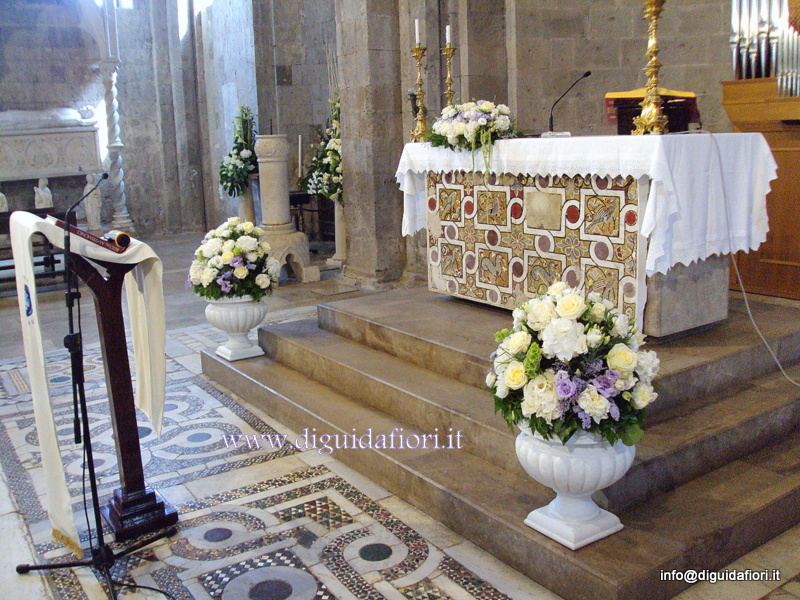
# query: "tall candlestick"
(447, 34)
(416, 31)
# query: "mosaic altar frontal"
(505, 239)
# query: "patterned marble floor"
(261, 524)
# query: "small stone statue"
(43, 195)
(3, 202)
(93, 203)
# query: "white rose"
(540, 312)
(273, 268)
(216, 262)
(647, 365)
(621, 326)
(209, 274)
(594, 404)
(491, 379)
(597, 312)
(251, 256)
(517, 342)
(247, 243)
(211, 248)
(227, 257)
(642, 395)
(265, 247)
(245, 153)
(246, 227)
(241, 272)
(514, 376)
(594, 337)
(234, 221)
(570, 306)
(563, 339)
(262, 281)
(520, 317)
(228, 245)
(557, 288)
(502, 390)
(622, 359)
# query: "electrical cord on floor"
(733, 260)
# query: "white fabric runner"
(684, 218)
(146, 309)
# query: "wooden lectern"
(135, 509)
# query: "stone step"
(701, 437)
(703, 524)
(431, 402)
(455, 338)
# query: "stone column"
(289, 246)
(340, 256)
(116, 181)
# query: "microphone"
(118, 238)
(550, 122)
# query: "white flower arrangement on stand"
(572, 376)
(234, 271)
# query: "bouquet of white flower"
(573, 363)
(472, 125)
(241, 161)
(233, 261)
(324, 174)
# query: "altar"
(647, 221)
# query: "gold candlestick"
(448, 52)
(421, 128)
(652, 120)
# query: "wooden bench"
(45, 254)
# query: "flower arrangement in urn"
(573, 363)
(471, 125)
(241, 161)
(234, 261)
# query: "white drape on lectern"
(145, 298)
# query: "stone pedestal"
(289, 246)
(687, 297)
(337, 260)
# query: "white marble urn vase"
(575, 470)
(236, 316)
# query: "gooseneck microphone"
(550, 122)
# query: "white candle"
(447, 35)
(300, 156)
(416, 31)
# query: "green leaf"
(631, 434)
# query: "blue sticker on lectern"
(28, 303)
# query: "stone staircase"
(717, 474)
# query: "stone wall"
(551, 44)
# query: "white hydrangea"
(564, 339)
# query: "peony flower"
(540, 398)
(247, 243)
(647, 365)
(557, 288)
(240, 272)
(514, 375)
(594, 404)
(262, 280)
(211, 248)
(642, 395)
(563, 339)
(622, 359)
(570, 306)
(540, 312)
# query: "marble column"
(340, 256)
(289, 246)
(121, 219)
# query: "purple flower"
(565, 387)
(614, 410)
(226, 275)
(225, 286)
(237, 261)
(251, 266)
(586, 420)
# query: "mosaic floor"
(255, 524)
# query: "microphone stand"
(102, 557)
(550, 121)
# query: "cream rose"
(247, 227)
(240, 272)
(622, 359)
(216, 262)
(514, 376)
(594, 404)
(517, 342)
(262, 280)
(597, 312)
(642, 394)
(227, 257)
(570, 306)
(557, 288)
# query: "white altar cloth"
(684, 217)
